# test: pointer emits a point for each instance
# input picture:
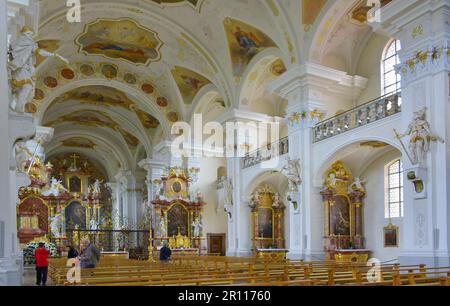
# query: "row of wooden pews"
(234, 271)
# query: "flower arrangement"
(28, 251)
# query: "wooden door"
(216, 244)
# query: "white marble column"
(10, 266)
(422, 27)
(240, 223)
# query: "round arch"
(324, 163)
(137, 97)
(269, 55)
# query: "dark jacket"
(165, 253)
(72, 253)
(90, 257)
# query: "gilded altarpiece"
(177, 212)
(267, 220)
(33, 210)
(48, 210)
(343, 215)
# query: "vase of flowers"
(28, 251)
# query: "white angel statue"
(22, 67)
(197, 225)
(55, 226)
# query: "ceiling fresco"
(121, 39)
(310, 11)
(244, 42)
(189, 83)
(97, 95)
(96, 119)
(86, 118)
(78, 142)
(196, 4)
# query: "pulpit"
(32, 217)
(343, 214)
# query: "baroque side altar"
(343, 215)
(178, 212)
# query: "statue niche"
(343, 215)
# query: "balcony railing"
(272, 150)
(359, 116)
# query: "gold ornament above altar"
(338, 177)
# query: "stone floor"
(29, 276)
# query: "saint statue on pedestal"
(22, 67)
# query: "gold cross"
(74, 162)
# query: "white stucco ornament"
(56, 188)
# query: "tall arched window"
(389, 79)
(394, 190)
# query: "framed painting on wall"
(390, 234)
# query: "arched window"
(390, 81)
(394, 190)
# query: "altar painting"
(177, 220)
(75, 216)
(265, 217)
(75, 184)
(341, 216)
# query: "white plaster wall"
(213, 222)
(374, 208)
(335, 104)
(369, 66)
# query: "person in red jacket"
(41, 255)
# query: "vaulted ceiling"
(137, 66)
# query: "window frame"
(385, 72)
(388, 188)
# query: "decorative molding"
(330, 81)
(423, 63)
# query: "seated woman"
(90, 255)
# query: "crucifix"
(74, 161)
